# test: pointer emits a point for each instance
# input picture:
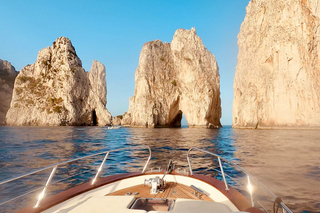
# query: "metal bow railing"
(56, 166)
(250, 178)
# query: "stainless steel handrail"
(41, 195)
(100, 168)
(249, 176)
(55, 166)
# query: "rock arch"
(175, 79)
(175, 114)
(94, 118)
(176, 121)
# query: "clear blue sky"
(113, 33)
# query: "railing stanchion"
(223, 176)
(191, 173)
(41, 195)
(250, 188)
(145, 166)
(55, 166)
(100, 168)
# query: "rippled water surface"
(287, 161)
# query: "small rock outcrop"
(277, 79)
(56, 90)
(117, 120)
(171, 79)
(7, 77)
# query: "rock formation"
(277, 80)
(176, 78)
(7, 76)
(56, 90)
(117, 120)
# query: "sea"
(285, 161)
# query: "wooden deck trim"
(47, 203)
(232, 194)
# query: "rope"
(277, 202)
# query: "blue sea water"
(287, 161)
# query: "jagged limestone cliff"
(277, 81)
(171, 79)
(7, 77)
(56, 90)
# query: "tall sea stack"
(171, 79)
(56, 90)
(7, 76)
(277, 80)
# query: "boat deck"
(172, 190)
